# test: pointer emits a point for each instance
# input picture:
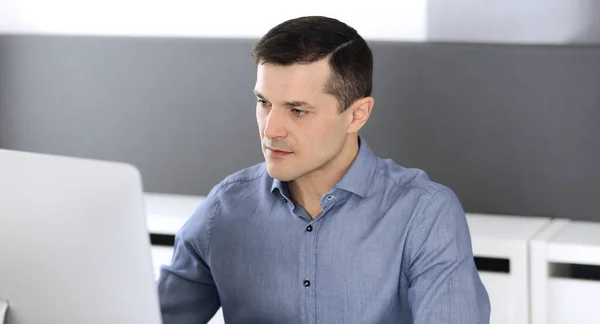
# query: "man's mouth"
(277, 153)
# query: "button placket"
(308, 255)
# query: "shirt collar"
(357, 178)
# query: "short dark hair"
(309, 39)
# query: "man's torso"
(272, 263)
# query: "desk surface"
(505, 227)
(166, 213)
(577, 242)
(580, 233)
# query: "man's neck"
(308, 190)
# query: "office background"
(501, 105)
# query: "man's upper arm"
(444, 285)
(186, 288)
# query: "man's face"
(300, 125)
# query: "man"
(323, 231)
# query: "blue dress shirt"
(390, 246)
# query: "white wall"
(496, 21)
(514, 21)
(376, 19)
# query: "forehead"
(293, 79)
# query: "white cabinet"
(506, 237)
(557, 296)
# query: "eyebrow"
(294, 103)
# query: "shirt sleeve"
(186, 288)
(444, 285)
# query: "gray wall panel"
(180, 110)
(512, 129)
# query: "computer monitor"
(74, 247)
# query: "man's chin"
(279, 174)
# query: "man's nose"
(275, 123)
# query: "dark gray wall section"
(180, 110)
(512, 129)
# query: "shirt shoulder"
(245, 175)
(412, 181)
(412, 191)
(430, 207)
(235, 184)
(240, 191)
(244, 183)
(235, 188)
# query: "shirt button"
(329, 197)
(284, 200)
(309, 228)
(307, 283)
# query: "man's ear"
(360, 111)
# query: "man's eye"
(262, 102)
(299, 112)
